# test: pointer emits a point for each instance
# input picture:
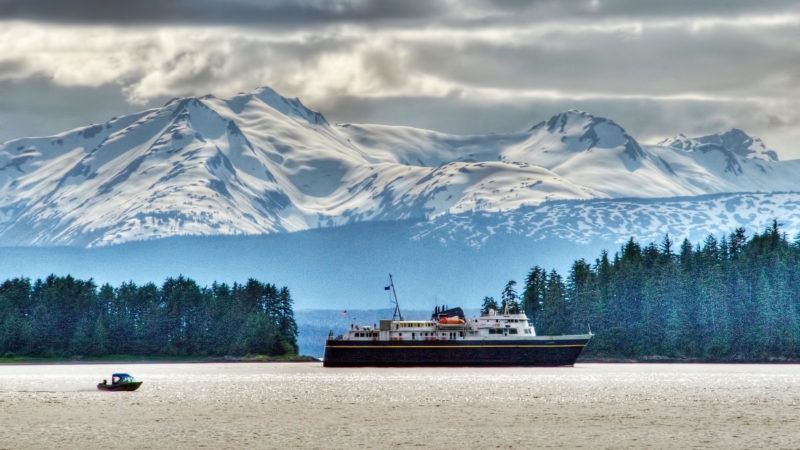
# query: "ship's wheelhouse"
(506, 326)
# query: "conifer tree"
(533, 295)
(488, 303)
(509, 298)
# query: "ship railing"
(451, 326)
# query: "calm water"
(306, 405)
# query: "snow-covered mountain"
(732, 142)
(259, 163)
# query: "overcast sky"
(657, 68)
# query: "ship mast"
(397, 314)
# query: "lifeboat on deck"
(451, 321)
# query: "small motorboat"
(120, 382)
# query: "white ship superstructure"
(449, 324)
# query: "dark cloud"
(290, 14)
(286, 13)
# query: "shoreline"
(665, 360)
(33, 361)
(130, 359)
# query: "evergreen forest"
(67, 317)
(732, 299)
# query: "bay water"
(304, 405)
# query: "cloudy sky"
(658, 68)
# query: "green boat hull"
(120, 387)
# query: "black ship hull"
(467, 353)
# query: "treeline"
(734, 299)
(64, 316)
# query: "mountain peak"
(734, 141)
(288, 106)
(735, 132)
(581, 131)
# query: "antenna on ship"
(397, 314)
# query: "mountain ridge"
(260, 163)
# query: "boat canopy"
(121, 378)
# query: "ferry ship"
(450, 339)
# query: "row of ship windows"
(461, 333)
(510, 330)
(360, 334)
(414, 325)
(501, 331)
(506, 320)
